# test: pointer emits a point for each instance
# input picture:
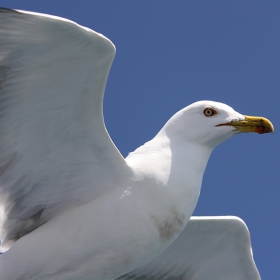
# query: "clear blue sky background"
(172, 53)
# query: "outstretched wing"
(208, 248)
(54, 147)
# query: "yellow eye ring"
(209, 112)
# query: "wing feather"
(209, 248)
(54, 147)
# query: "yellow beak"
(252, 124)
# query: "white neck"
(165, 163)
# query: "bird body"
(148, 209)
(73, 206)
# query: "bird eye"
(209, 112)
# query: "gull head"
(209, 123)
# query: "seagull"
(72, 206)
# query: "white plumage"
(208, 248)
(73, 207)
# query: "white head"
(209, 123)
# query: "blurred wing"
(54, 148)
(208, 248)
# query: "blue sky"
(172, 53)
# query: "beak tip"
(264, 129)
